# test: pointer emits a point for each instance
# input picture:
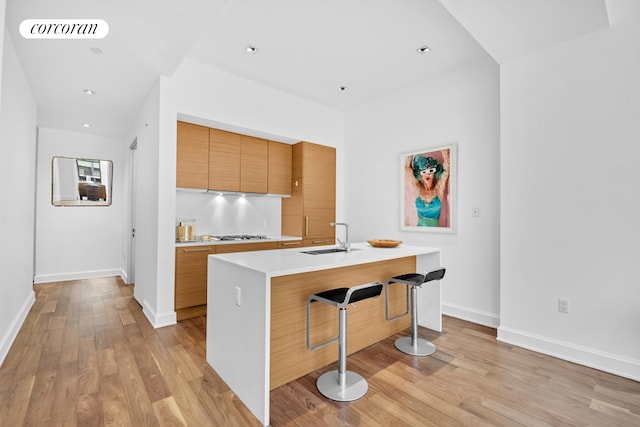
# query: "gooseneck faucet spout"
(343, 245)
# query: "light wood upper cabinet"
(279, 168)
(219, 160)
(224, 160)
(192, 152)
(311, 207)
(237, 162)
(254, 156)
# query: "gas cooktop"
(227, 237)
(241, 237)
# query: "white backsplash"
(230, 214)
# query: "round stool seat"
(413, 345)
(341, 296)
(415, 279)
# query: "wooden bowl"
(384, 243)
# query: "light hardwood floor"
(87, 356)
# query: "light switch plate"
(238, 293)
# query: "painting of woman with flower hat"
(427, 190)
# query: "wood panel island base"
(256, 318)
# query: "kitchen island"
(256, 317)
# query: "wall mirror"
(81, 182)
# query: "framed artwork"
(428, 193)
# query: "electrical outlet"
(563, 305)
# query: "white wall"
(3, 9)
(569, 188)
(461, 106)
(213, 96)
(17, 184)
(145, 131)
(77, 242)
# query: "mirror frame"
(94, 190)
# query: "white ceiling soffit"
(622, 10)
(147, 38)
(509, 29)
(311, 48)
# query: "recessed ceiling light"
(343, 88)
(88, 92)
(95, 50)
(251, 49)
(423, 49)
(86, 125)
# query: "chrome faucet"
(343, 245)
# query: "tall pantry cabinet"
(312, 205)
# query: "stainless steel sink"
(326, 251)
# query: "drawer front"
(290, 244)
(246, 247)
(320, 241)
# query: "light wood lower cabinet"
(191, 274)
(191, 280)
(246, 247)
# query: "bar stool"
(412, 345)
(341, 385)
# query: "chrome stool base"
(341, 385)
(420, 347)
(355, 386)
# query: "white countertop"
(283, 262)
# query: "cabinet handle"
(197, 249)
(320, 241)
(306, 225)
(290, 243)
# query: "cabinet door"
(279, 168)
(317, 223)
(192, 153)
(191, 276)
(254, 153)
(246, 247)
(319, 190)
(292, 218)
(224, 160)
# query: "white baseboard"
(475, 316)
(125, 277)
(16, 324)
(159, 320)
(607, 362)
(62, 277)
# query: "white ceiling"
(308, 48)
